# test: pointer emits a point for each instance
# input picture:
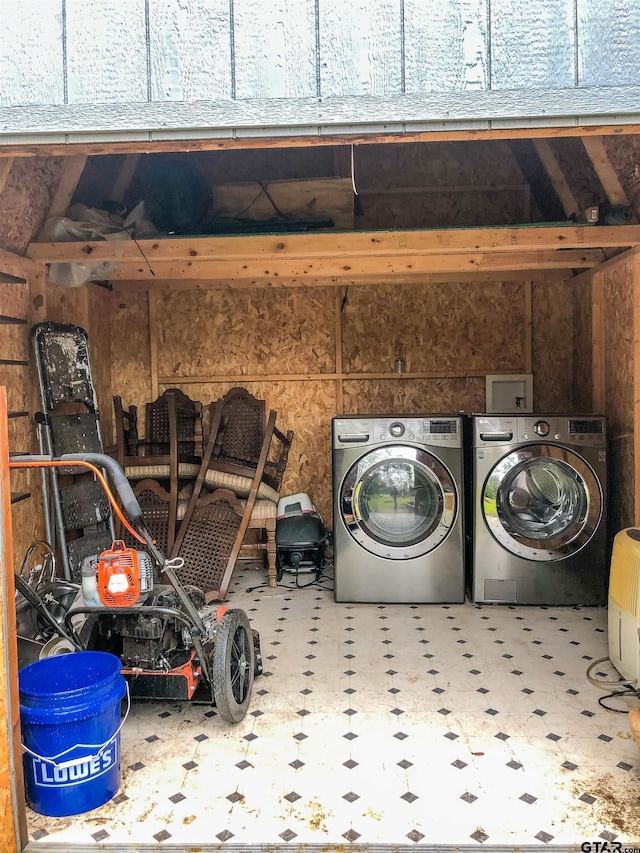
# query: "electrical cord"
(629, 690)
(615, 694)
(315, 583)
(320, 576)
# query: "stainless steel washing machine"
(397, 511)
(538, 532)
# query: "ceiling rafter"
(557, 177)
(5, 168)
(124, 177)
(71, 174)
(607, 175)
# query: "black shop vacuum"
(300, 536)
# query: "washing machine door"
(398, 502)
(542, 502)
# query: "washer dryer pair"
(537, 523)
(397, 508)
(534, 511)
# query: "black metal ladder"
(70, 424)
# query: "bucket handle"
(53, 759)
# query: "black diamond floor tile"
(303, 793)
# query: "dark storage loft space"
(423, 185)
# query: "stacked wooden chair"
(166, 457)
(243, 464)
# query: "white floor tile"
(384, 724)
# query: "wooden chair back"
(158, 513)
(147, 466)
(190, 538)
(241, 433)
(188, 425)
(240, 436)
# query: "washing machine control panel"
(436, 430)
(586, 431)
(583, 431)
(424, 429)
(395, 429)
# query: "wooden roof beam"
(388, 266)
(5, 168)
(183, 284)
(345, 244)
(124, 177)
(155, 146)
(557, 177)
(73, 169)
(605, 171)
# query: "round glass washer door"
(542, 502)
(398, 502)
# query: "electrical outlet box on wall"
(510, 393)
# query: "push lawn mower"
(132, 604)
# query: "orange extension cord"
(99, 475)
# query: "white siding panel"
(31, 59)
(608, 43)
(360, 47)
(190, 50)
(106, 51)
(445, 45)
(275, 48)
(520, 109)
(532, 44)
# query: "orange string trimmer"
(99, 475)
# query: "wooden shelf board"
(321, 377)
(340, 244)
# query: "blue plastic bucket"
(70, 714)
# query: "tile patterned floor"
(384, 724)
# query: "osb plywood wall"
(205, 342)
(26, 198)
(99, 331)
(434, 327)
(15, 344)
(17, 300)
(582, 346)
(405, 396)
(223, 332)
(619, 392)
(605, 369)
(552, 346)
(130, 353)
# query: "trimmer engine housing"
(124, 575)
